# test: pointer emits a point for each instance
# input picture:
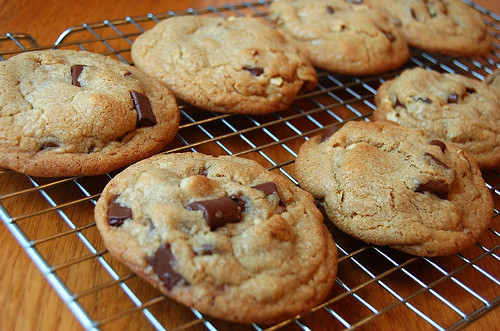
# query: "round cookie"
(390, 185)
(71, 113)
(342, 37)
(220, 234)
(230, 65)
(448, 107)
(446, 27)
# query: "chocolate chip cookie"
(447, 27)
(390, 185)
(230, 65)
(342, 37)
(220, 234)
(448, 107)
(71, 113)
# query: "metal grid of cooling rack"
(373, 283)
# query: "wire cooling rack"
(375, 285)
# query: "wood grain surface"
(27, 301)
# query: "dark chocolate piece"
(145, 115)
(268, 188)
(329, 131)
(330, 9)
(117, 213)
(439, 143)
(163, 264)
(255, 71)
(218, 212)
(437, 187)
(436, 160)
(76, 70)
(453, 98)
(470, 90)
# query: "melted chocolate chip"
(255, 71)
(145, 115)
(268, 188)
(470, 90)
(76, 70)
(218, 212)
(437, 187)
(117, 213)
(329, 131)
(453, 98)
(439, 143)
(330, 10)
(436, 160)
(163, 264)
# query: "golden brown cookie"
(448, 107)
(342, 37)
(220, 234)
(390, 185)
(71, 113)
(230, 65)
(447, 27)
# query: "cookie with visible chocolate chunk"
(220, 234)
(448, 27)
(390, 185)
(229, 65)
(71, 113)
(448, 107)
(342, 36)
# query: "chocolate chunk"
(218, 212)
(470, 90)
(437, 187)
(436, 160)
(76, 70)
(453, 98)
(412, 13)
(330, 10)
(439, 143)
(255, 71)
(268, 188)
(329, 131)
(117, 213)
(163, 264)
(145, 115)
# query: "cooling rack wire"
(373, 283)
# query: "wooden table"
(26, 299)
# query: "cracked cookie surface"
(448, 27)
(70, 113)
(342, 37)
(446, 106)
(390, 185)
(220, 234)
(230, 65)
